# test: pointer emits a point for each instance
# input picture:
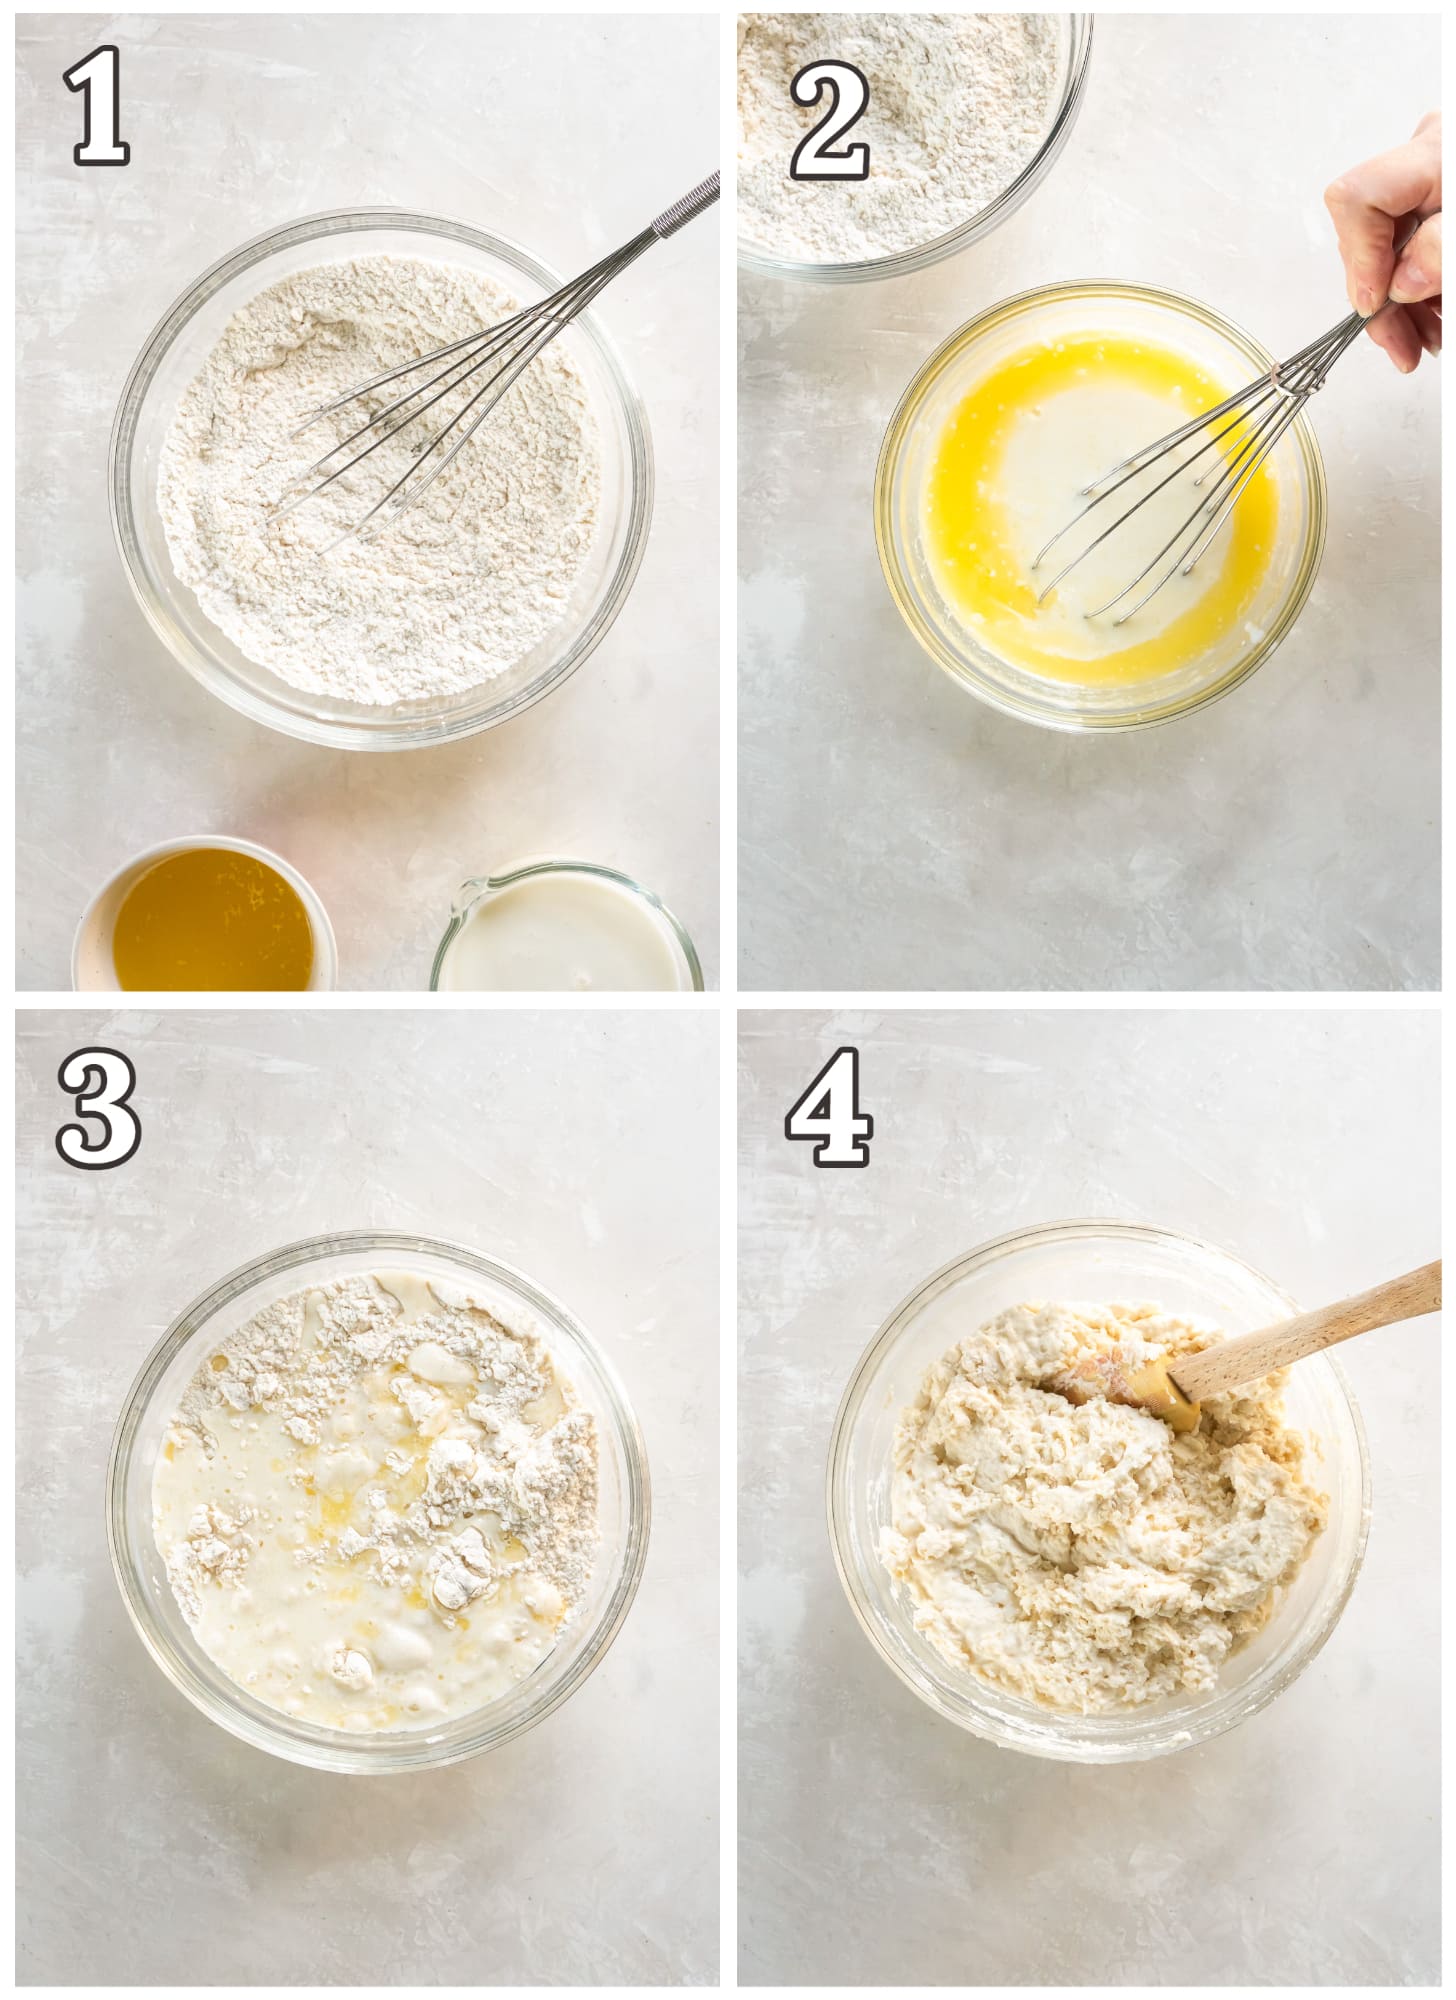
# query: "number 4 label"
(828, 1114)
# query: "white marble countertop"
(895, 833)
(879, 1845)
(236, 123)
(155, 1850)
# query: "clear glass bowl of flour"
(624, 1506)
(1074, 55)
(907, 456)
(176, 352)
(1099, 1262)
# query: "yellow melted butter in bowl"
(1007, 472)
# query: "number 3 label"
(849, 93)
(100, 1081)
(828, 1113)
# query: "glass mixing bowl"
(1075, 54)
(174, 355)
(908, 455)
(624, 1502)
(1103, 1262)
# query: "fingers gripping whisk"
(482, 368)
(1225, 448)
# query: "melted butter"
(211, 920)
(1007, 474)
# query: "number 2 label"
(828, 1114)
(100, 1081)
(849, 93)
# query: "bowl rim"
(365, 732)
(311, 1744)
(763, 262)
(474, 891)
(1182, 1734)
(325, 973)
(957, 665)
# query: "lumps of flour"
(958, 106)
(470, 579)
(1085, 1556)
(351, 1669)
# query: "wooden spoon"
(1174, 1389)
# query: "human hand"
(1374, 208)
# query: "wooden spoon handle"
(1249, 1356)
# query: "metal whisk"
(1259, 416)
(506, 351)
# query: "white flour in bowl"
(958, 106)
(469, 580)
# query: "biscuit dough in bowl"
(1085, 1557)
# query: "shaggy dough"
(1083, 1556)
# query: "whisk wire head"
(1242, 446)
(1196, 534)
(549, 318)
(511, 345)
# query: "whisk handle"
(702, 196)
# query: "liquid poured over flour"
(377, 1504)
(469, 581)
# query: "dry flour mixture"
(958, 105)
(468, 581)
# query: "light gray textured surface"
(895, 833)
(566, 133)
(155, 1850)
(879, 1845)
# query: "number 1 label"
(98, 78)
(828, 1114)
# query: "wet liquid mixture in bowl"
(1007, 473)
(377, 1504)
